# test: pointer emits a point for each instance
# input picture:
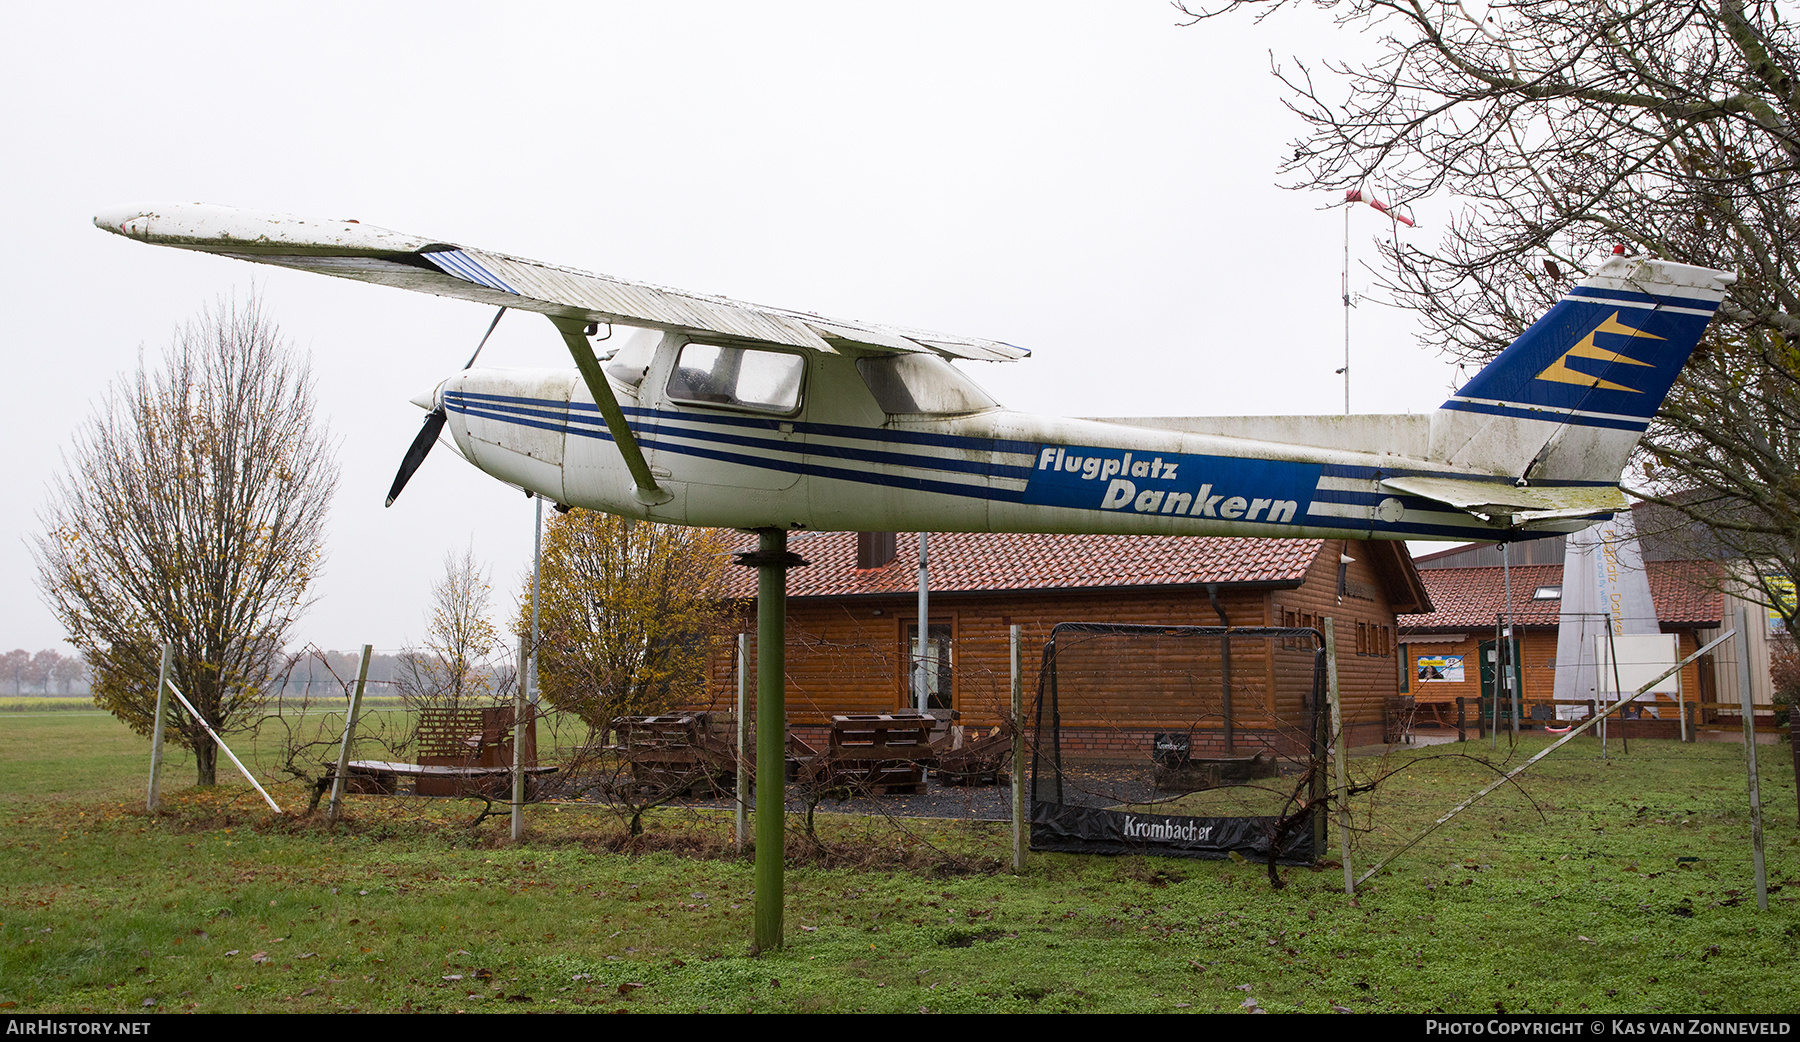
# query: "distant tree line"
(316, 674)
(328, 674)
(45, 673)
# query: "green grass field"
(1619, 885)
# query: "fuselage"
(816, 446)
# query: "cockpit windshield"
(921, 384)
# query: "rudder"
(1568, 400)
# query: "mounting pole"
(1018, 753)
(537, 572)
(771, 560)
(518, 744)
(1509, 668)
(1346, 291)
(1341, 791)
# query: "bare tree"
(1563, 128)
(192, 510)
(452, 668)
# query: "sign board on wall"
(1440, 669)
(1641, 656)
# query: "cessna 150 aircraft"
(716, 412)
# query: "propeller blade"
(415, 455)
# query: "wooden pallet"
(981, 761)
(676, 753)
(875, 753)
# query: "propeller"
(434, 426)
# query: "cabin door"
(1490, 672)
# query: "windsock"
(1354, 195)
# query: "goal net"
(1184, 741)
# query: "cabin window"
(921, 384)
(1290, 619)
(738, 377)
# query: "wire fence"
(1158, 724)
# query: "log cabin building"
(1449, 650)
(853, 619)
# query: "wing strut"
(574, 333)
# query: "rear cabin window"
(738, 377)
(920, 384)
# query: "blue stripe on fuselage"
(1224, 479)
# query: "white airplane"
(710, 411)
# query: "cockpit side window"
(921, 384)
(738, 377)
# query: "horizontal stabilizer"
(1516, 506)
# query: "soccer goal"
(1183, 741)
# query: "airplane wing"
(352, 250)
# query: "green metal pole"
(771, 733)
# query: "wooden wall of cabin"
(1537, 674)
(846, 655)
(1364, 628)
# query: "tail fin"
(1567, 402)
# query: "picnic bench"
(474, 742)
(382, 778)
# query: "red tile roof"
(970, 562)
(1685, 593)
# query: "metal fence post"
(337, 780)
(1018, 755)
(156, 737)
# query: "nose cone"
(428, 400)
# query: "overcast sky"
(1091, 181)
